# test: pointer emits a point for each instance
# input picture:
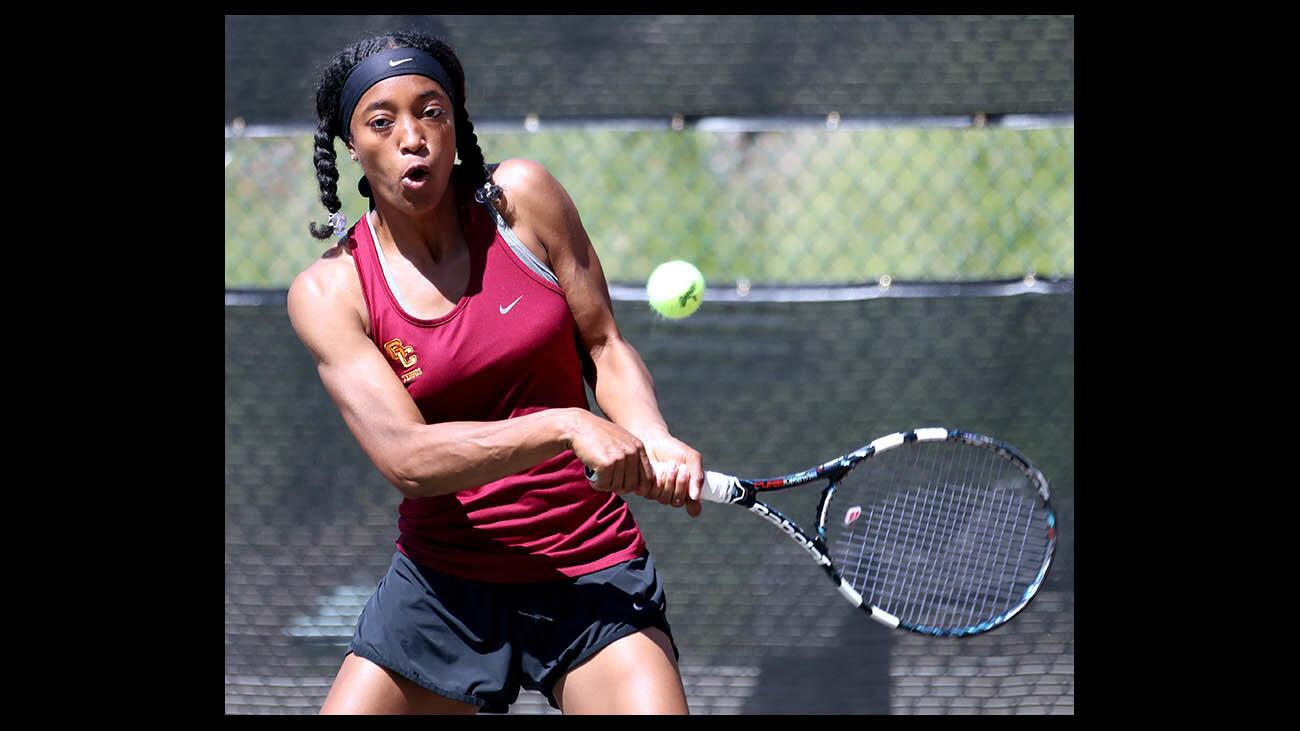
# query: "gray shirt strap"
(521, 251)
(383, 266)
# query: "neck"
(434, 236)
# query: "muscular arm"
(419, 459)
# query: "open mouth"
(416, 174)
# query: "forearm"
(441, 459)
(625, 390)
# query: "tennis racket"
(937, 531)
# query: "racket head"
(946, 532)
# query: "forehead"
(400, 89)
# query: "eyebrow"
(381, 103)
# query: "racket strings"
(942, 570)
(947, 537)
(893, 590)
(980, 578)
(947, 577)
(882, 527)
(924, 566)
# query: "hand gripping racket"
(937, 531)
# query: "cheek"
(449, 139)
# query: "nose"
(410, 135)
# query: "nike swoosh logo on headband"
(399, 63)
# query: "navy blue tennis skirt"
(479, 643)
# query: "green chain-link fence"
(795, 205)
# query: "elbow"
(613, 349)
(404, 474)
(409, 487)
(419, 467)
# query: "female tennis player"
(450, 325)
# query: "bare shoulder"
(536, 205)
(523, 176)
(327, 294)
(529, 191)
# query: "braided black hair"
(472, 169)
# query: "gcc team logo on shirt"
(405, 355)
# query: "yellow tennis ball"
(675, 289)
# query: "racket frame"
(745, 493)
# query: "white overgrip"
(717, 487)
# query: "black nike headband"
(385, 65)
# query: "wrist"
(650, 432)
(566, 423)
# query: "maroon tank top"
(505, 350)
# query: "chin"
(425, 200)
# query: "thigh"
(362, 687)
(635, 674)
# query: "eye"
(434, 112)
(380, 123)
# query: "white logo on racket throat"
(793, 532)
(852, 515)
(394, 64)
(504, 310)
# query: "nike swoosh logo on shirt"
(504, 310)
(399, 63)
